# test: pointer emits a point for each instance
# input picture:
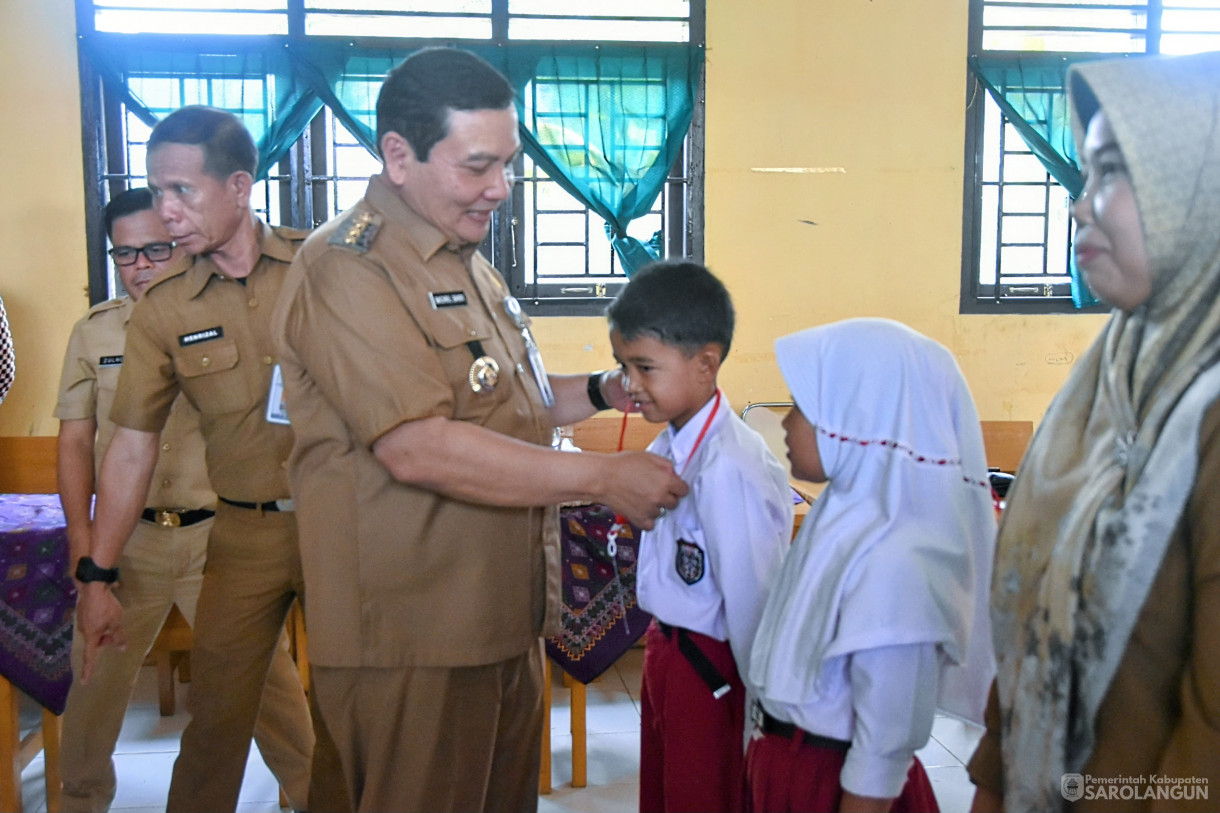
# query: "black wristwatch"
(88, 571)
(594, 388)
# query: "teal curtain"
(255, 82)
(1031, 92)
(604, 122)
(607, 125)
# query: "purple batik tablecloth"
(599, 622)
(37, 598)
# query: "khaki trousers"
(252, 576)
(438, 739)
(162, 566)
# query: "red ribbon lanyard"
(707, 424)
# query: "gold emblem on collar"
(484, 374)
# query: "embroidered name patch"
(689, 561)
(187, 339)
(447, 299)
(109, 361)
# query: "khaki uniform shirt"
(209, 337)
(86, 390)
(381, 323)
(1161, 714)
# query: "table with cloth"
(600, 617)
(37, 599)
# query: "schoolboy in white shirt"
(705, 568)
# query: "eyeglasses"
(155, 252)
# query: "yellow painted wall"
(43, 278)
(871, 89)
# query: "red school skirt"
(788, 776)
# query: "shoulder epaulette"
(108, 305)
(289, 233)
(356, 232)
(176, 270)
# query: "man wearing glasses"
(162, 563)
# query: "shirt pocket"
(461, 341)
(211, 377)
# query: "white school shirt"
(882, 701)
(709, 563)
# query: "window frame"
(973, 180)
(302, 196)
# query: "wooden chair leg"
(165, 684)
(298, 647)
(50, 754)
(580, 755)
(10, 748)
(544, 773)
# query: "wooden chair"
(171, 652)
(28, 468)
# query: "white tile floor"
(148, 746)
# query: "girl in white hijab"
(880, 611)
(1107, 581)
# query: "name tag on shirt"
(276, 411)
(205, 335)
(109, 361)
(447, 299)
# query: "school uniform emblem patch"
(689, 561)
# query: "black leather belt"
(788, 731)
(176, 517)
(703, 667)
(273, 505)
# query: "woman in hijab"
(880, 610)
(1106, 596)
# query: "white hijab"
(898, 547)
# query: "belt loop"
(796, 740)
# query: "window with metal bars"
(1017, 225)
(551, 249)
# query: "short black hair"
(677, 302)
(421, 91)
(226, 143)
(125, 203)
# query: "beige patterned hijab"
(1108, 474)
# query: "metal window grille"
(1018, 227)
(551, 249)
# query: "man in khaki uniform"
(202, 330)
(162, 563)
(422, 467)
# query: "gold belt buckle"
(169, 519)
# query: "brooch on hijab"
(1122, 448)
